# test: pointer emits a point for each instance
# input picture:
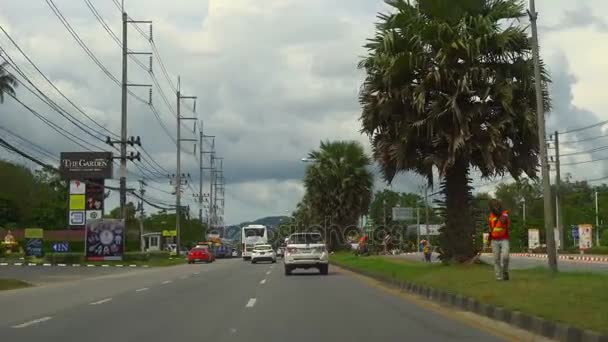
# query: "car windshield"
(305, 238)
(198, 249)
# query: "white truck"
(252, 235)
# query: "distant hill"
(272, 222)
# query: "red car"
(200, 254)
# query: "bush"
(136, 256)
(2, 250)
(604, 238)
(65, 258)
(160, 255)
(598, 250)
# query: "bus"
(252, 235)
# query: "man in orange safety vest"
(499, 223)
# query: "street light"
(307, 160)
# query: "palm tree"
(338, 187)
(8, 82)
(450, 87)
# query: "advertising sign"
(77, 218)
(94, 195)
(169, 233)
(105, 239)
(77, 187)
(61, 247)
(585, 240)
(533, 238)
(433, 229)
(83, 165)
(33, 242)
(77, 202)
(403, 214)
(93, 215)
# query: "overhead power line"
(601, 123)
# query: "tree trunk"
(456, 240)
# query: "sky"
(273, 78)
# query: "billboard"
(585, 236)
(433, 229)
(33, 242)
(403, 214)
(84, 165)
(105, 239)
(533, 238)
(86, 202)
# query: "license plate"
(261, 253)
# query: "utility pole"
(211, 152)
(142, 244)
(123, 128)
(559, 216)
(540, 114)
(597, 222)
(178, 176)
(524, 210)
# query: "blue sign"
(61, 247)
(33, 247)
(575, 232)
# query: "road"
(518, 262)
(228, 300)
(41, 275)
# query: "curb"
(533, 324)
(561, 257)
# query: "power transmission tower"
(123, 131)
(202, 196)
(178, 175)
(540, 114)
(140, 207)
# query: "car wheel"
(252, 261)
(288, 270)
(274, 261)
(324, 269)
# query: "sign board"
(169, 233)
(575, 232)
(34, 233)
(77, 202)
(105, 239)
(433, 229)
(77, 187)
(34, 247)
(93, 215)
(83, 165)
(94, 195)
(77, 218)
(403, 214)
(61, 247)
(585, 240)
(533, 238)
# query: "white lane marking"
(142, 289)
(75, 265)
(132, 265)
(119, 265)
(62, 265)
(47, 265)
(251, 303)
(105, 265)
(263, 282)
(232, 331)
(101, 301)
(166, 282)
(27, 324)
(267, 273)
(31, 264)
(18, 264)
(144, 266)
(3, 263)
(89, 265)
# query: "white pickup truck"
(306, 250)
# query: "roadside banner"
(169, 233)
(585, 240)
(33, 242)
(533, 238)
(105, 239)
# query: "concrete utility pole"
(540, 114)
(211, 152)
(178, 176)
(123, 128)
(142, 244)
(426, 204)
(597, 222)
(559, 216)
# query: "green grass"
(10, 284)
(580, 299)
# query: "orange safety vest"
(499, 230)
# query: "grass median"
(580, 299)
(11, 284)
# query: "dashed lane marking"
(263, 282)
(101, 301)
(142, 289)
(251, 303)
(36, 321)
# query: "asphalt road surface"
(517, 262)
(41, 275)
(229, 300)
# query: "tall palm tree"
(450, 87)
(8, 82)
(338, 187)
